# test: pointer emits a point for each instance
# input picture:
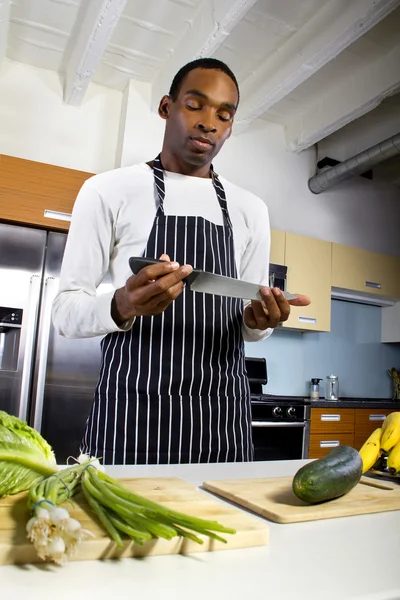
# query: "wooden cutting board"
(171, 492)
(275, 500)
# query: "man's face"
(200, 119)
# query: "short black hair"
(200, 63)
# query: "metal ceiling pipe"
(356, 165)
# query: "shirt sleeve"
(78, 310)
(254, 266)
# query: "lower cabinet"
(331, 427)
(321, 444)
(366, 421)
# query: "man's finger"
(151, 288)
(165, 299)
(260, 314)
(249, 317)
(300, 300)
(270, 307)
(282, 303)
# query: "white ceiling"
(312, 65)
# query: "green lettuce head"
(25, 457)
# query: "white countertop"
(335, 559)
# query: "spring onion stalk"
(122, 513)
(125, 514)
(53, 532)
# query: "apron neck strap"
(158, 171)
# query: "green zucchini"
(329, 477)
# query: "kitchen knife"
(210, 283)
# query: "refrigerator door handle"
(33, 310)
(49, 293)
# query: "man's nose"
(207, 127)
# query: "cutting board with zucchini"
(171, 492)
(322, 489)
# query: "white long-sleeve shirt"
(111, 221)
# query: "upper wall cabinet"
(29, 188)
(309, 272)
(365, 271)
(277, 254)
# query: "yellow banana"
(393, 461)
(371, 450)
(391, 431)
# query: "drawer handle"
(55, 214)
(312, 320)
(330, 417)
(377, 417)
(373, 284)
(329, 444)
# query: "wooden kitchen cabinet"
(28, 188)
(321, 444)
(364, 271)
(309, 272)
(329, 428)
(366, 421)
(277, 253)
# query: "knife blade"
(210, 283)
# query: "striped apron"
(174, 388)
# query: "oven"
(280, 427)
(280, 424)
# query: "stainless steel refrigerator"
(45, 379)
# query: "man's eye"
(192, 107)
(225, 117)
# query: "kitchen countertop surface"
(335, 559)
(355, 403)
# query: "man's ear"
(163, 108)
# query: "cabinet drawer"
(332, 420)
(366, 421)
(321, 444)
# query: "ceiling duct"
(356, 165)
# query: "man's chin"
(199, 159)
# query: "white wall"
(358, 213)
(35, 124)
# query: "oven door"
(282, 440)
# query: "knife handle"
(137, 263)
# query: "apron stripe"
(107, 396)
(126, 395)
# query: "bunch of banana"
(390, 441)
(371, 450)
(383, 441)
(391, 431)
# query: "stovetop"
(274, 400)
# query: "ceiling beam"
(213, 22)
(332, 29)
(4, 23)
(353, 97)
(94, 27)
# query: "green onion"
(133, 515)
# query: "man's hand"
(150, 291)
(272, 309)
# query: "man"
(172, 385)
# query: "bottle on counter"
(332, 387)
(314, 388)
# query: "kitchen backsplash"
(352, 350)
